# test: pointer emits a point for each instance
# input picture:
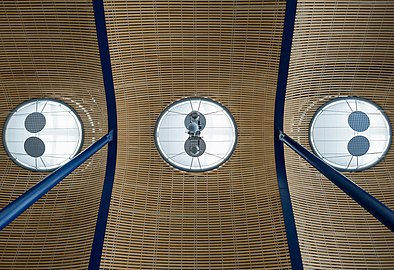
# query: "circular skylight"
(350, 134)
(195, 134)
(42, 134)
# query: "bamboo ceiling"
(48, 49)
(162, 51)
(161, 218)
(340, 48)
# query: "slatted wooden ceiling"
(161, 218)
(48, 49)
(162, 51)
(340, 48)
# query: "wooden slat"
(340, 48)
(161, 218)
(48, 49)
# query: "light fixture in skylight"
(195, 134)
(350, 134)
(42, 134)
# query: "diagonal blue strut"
(379, 210)
(27, 199)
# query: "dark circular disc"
(358, 121)
(195, 117)
(35, 122)
(358, 146)
(195, 146)
(34, 147)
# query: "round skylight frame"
(201, 168)
(380, 155)
(54, 166)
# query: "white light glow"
(350, 134)
(61, 134)
(219, 134)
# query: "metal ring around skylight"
(195, 134)
(350, 134)
(42, 134)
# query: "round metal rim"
(33, 100)
(362, 99)
(196, 170)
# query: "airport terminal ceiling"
(195, 182)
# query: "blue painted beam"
(102, 216)
(288, 215)
(18, 206)
(366, 200)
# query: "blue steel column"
(17, 207)
(366, 200)
(98, 240)
(288, 215)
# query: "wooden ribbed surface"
(161, 218)
(48, 49)
(340, 48)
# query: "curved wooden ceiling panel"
(162, 51)
(161, 218)
(340, 48)
(48, 49)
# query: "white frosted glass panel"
(218, 120)
(42, 134)
(182, 160)
(172, 135)
(17, 135)
(219, 135)
(210, 159)
(218, 148)
(16, 147)
(171, 148)
(326, 134)
(173, 120)
(332, 120)
(207, 109)
(24, 159)
(208, 146)
(350, 133)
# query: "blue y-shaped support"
(366, 200)
(17, 207)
